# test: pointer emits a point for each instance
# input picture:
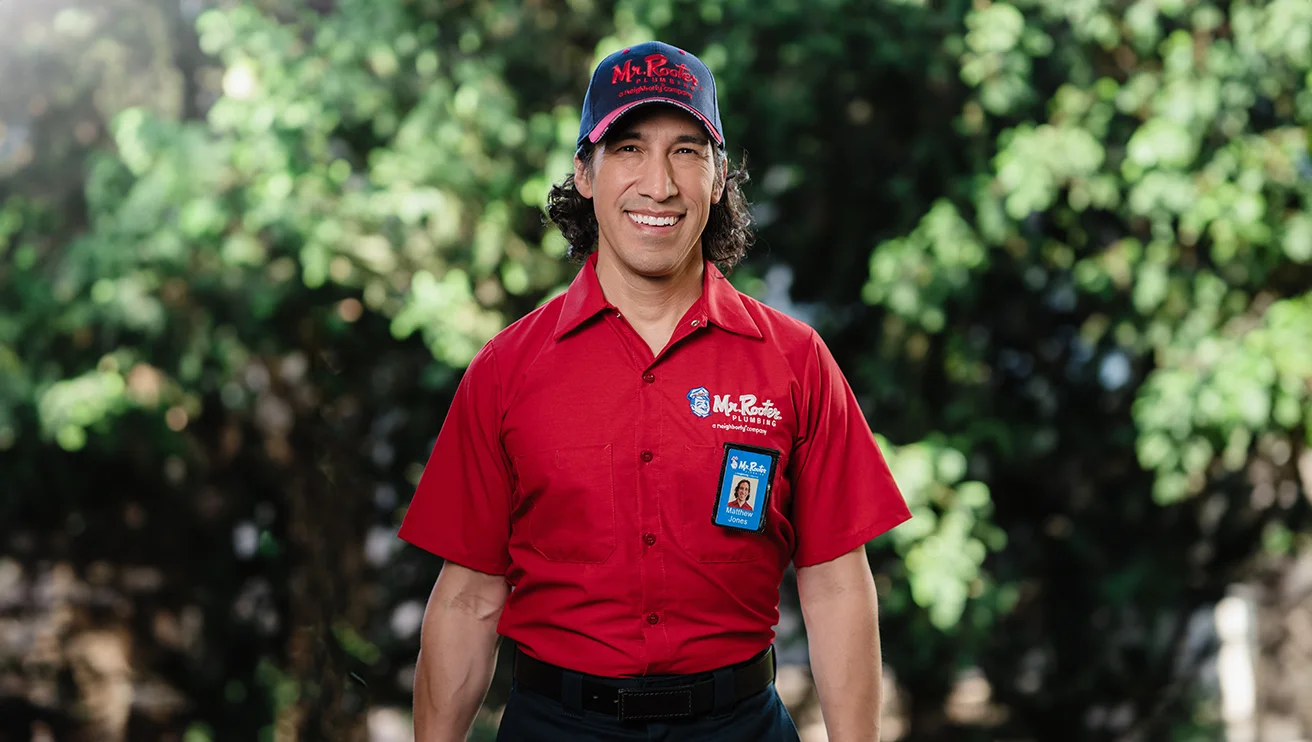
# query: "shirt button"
(696, 322)
(646, 456)
(649, 539)
(653, 619)
(649, 377)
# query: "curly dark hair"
(725, 240)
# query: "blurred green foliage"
(1063, 249)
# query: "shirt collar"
(724, 305)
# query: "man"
(573, 490)
(741, 492)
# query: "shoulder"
(794, 338)
(527, 335)
(810, 362)
(519, 343)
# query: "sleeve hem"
(469, 561)
(838, 547)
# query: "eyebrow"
(681, 139)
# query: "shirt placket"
(653, 463)
(656, 472)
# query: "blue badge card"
(744, 493)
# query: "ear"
(582, 178)
(721, 174)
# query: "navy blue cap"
(651, 72)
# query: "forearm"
(843, 637)
(457, 657)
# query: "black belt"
(677, 700)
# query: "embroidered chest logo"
(746, 412)
(700, 401)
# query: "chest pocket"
(699, 479)
(570, 498)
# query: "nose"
(657, 180)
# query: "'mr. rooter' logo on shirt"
(746, 405)
(747, 409)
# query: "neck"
(651, 301)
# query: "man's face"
(652, 182)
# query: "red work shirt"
(587, 471)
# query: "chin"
(655, 266)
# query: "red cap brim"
(599, 130)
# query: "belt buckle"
(651, 705)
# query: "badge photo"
(746, 477)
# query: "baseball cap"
(649, 73)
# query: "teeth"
(654, 221)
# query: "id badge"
(746, 475)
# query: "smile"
(654, 221)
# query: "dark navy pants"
(530, 717)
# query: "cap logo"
(656, 76)
(648, 73)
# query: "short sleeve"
(843, 492)
(461, 508)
